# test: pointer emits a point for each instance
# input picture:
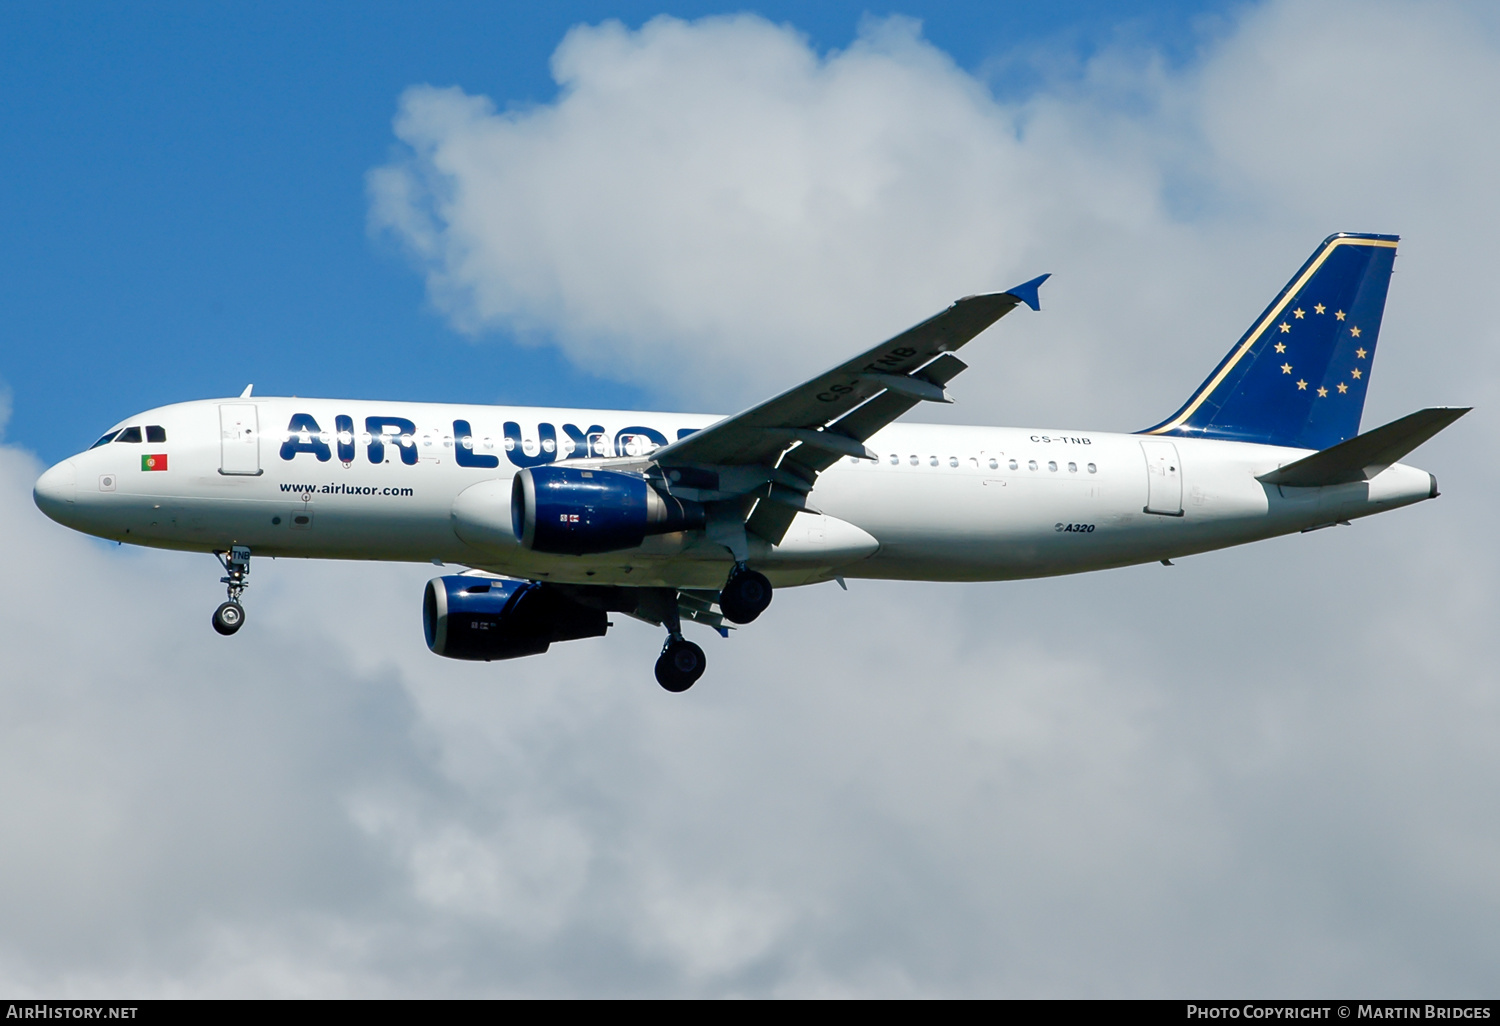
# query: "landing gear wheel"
(680, 665)
(229, 618)
(745, 596)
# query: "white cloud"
(1230, 775)
(1261, 772)
(714, 210)
(713, 200)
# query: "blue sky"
(184, 208)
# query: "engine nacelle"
(487, 618)
(571, 511)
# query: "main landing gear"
(745, 596)
(681, 662)
(230, 616)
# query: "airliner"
(557, 518)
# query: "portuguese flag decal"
(157, 462)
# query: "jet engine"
(488, 618)
(571, 511)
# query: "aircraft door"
(1163, 479)
(239, 439)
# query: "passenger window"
(895, 459)
(952, 461)
(1093, 469)
(105, 440)
(932, 460)
(130, 434)
(1016, 466)
(156, 433)
(1031, 464)
(1051, 465)
(1072, 468)
(994, 464)
(915, 460)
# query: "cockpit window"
(105, 440)
(155, 433)
(130, 434)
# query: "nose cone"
(56, 490)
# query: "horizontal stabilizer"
(1364, 456)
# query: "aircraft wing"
(792, 438)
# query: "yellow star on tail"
(1286, 368)
(1281, 347)
(1339, 314)
(1357, 373)
(1319, 308)
(1297, 313)
(1359, 354)
(1322, 393)
(1354, 331)
(1302, 386)
(1343, 388)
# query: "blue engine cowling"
(572, 511)
(488, 618)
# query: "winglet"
(1027, 292)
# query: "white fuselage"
(947, 503)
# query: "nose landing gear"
(745, 596)
(230, 616)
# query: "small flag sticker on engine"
(157, 462)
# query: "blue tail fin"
(1298, 377)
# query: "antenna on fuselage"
(246, 393)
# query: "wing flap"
(771, 520)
